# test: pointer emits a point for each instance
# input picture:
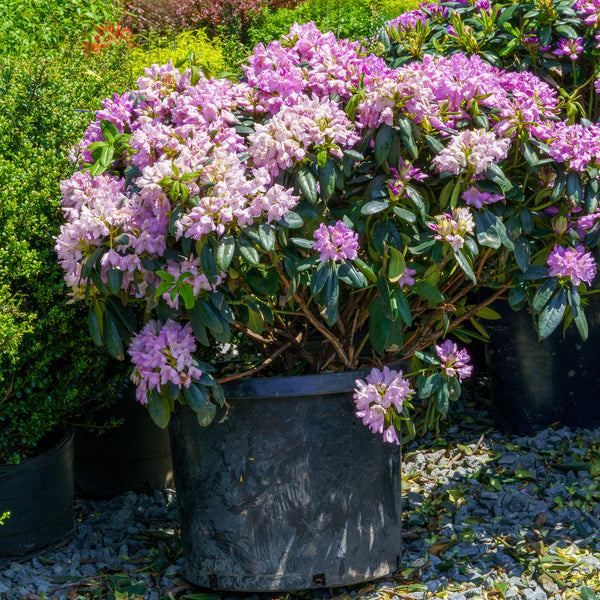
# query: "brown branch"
(258, 368)
(326, 333)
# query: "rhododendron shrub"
(327, 212)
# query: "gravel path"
(485, 516)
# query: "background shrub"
(157, 49)
(50, 373)
(33, 25)
(354, 19)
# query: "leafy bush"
(208, 53)
(49, 372)
(27, 25)
(388, 9)
(352, 19)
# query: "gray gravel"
(485, 516)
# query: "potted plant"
(536, 378)
(324, 214)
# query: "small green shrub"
(354, 19)
(161, 50)
(49, 372)
(30, 25)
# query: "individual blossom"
(477, 198)
(453, 228)
(455, 362)
(402, 175)
(570, 48)
(407, 277)
(472, 150)
(381, 393)
(336, 242)
(574, 263)
(162, 354)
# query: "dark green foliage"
(50, 372)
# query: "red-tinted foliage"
(108, 34)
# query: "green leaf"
(319, 278)
(574, 190)
(198, 327)
(524, 474)
(496, 174)
(591, 195)
(588, 594)
(552, 314)
(383, 143)
(366, 270)
(186, 291)
(266, 234)
(292, 220)
(430, 386)
(327, 178)
(196, 397)
(175, 214)
(254, 321)
(331, 291)
(109, 130)
(522, 253)
(427, 291)
(401, 304)
(349, 274)
(442, 398)
(488, 313)
(202, 313)
(396, 265)
(404, 214)
(225, 251)
(248, 252)
(91, 261)
(544, 293)
(158, 408)
(308, 184)
(385, 299)
(406, 133)
(114, 279)
(464, 264)
(454, 389)
(487, 235)
(379, 326)
(566, 31)
(112, 338)
(373, 207)
(94, 325)
(209, 265)
(577, 312)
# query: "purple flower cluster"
(162, 354)
(336, 242)
(476, 198)
(455, 362)
(568, 47)
(377, 397)
(574, 263)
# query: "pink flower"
(336, 242)
(575, 263)
(454, 361)
(162, 354)
(453, 228)
(477, 198)
(472, 150)
(570, 48)
(376, 398)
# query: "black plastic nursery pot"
(135, 456)
(535, 384)
(291, 491)
(38, 493)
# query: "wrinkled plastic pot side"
(534, 384)
(38, 492)
(291, 491)
(133, 457)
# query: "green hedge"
(50, 373)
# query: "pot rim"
(289, 386)
(32, 460)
